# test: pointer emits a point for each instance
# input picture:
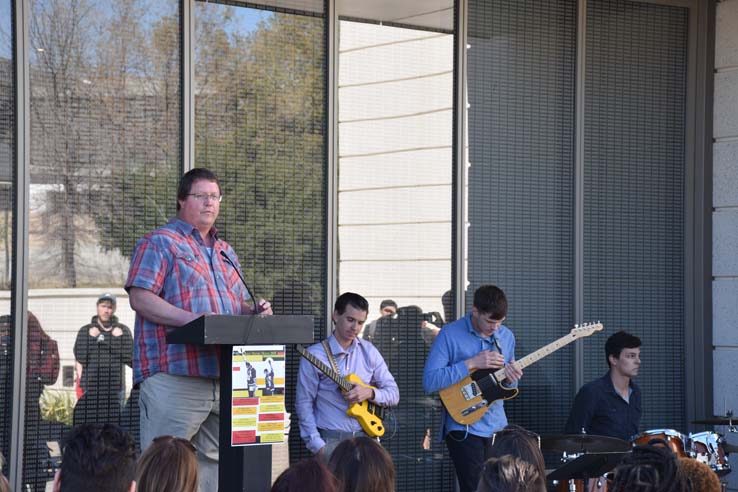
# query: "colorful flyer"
(257, 407)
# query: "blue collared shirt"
(600, 410)
(445, 366)
(319, 401)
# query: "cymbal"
(718, 420)
(583, 443)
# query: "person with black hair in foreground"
(97, 458)
(649, 469)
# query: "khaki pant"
(186, 407)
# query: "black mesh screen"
(634, 194)
(521, 66)
(7, 194)
(260, 125)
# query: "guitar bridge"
(470, 391)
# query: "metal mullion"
(579, 187)
(19, 294)
(331, 94)
(461, 161)
(187, 26)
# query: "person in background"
(387, 307)
(102, 350)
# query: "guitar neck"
(325, 369)
(539, 354)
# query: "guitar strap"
(331, 359)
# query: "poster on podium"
(258, 411)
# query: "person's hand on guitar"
(486, 359)
(358, 393)
(513, 372)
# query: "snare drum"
(707, 447)
(676, 441)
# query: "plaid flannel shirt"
(173, 263)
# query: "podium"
(240, 466)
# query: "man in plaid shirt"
(178, 273)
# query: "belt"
(340, 435)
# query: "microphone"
(251, 294)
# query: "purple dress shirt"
(319, 401)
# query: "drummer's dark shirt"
(600, 410)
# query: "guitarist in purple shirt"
(321, 403)
(477, 341)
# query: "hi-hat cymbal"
(718, 420)
(583, 443)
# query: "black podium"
(242, 465)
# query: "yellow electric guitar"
(468, 400)
(368, 414)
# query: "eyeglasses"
(202, 197)
(167, 439)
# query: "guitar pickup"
(470, 391)
(474, 408)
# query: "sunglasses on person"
(168, 439)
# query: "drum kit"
(589, 459)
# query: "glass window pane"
(395, 188)
(105, 157)
(634, 193)
(260, 83)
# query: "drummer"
(611, 405)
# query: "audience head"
(510, 474)
(362, 465)
(308, 475)
(520, 443)
(649, 469)
(169, 464)
(96, 458)
(699, 475)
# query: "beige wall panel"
(418, 167)
(403, 205)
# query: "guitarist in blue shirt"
(477, 341)
(321, 403)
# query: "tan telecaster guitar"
(468, 400)
(368, 414)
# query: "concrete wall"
(725, 219)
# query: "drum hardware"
(576, 473)
(709, 448)
(583, 443)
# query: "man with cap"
(102, 350)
